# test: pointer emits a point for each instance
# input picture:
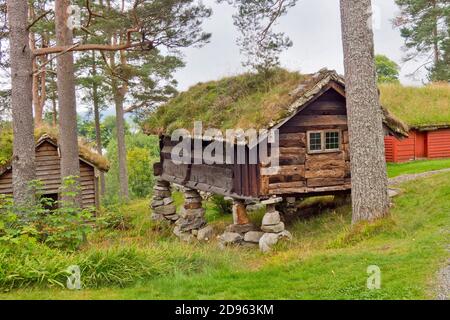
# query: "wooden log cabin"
(314, 156)
(48, 171)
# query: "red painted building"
(429, 144)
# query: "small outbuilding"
(426, 111)
(310, 114)
(311, 138)
(48, 170)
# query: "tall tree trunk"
(98, 136)
(70, 165)
(23, 161)
(368, 166)
(38, 78)
(121, 147)
(119, 96)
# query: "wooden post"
(240, 216)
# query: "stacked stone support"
(272, 226)
(191, 224)
(162, 205)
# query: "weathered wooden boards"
(49, 172)
(300, 172)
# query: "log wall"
(301, 172)
(49, 172)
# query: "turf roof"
(246, 101)
(86, 151)
(425, 107)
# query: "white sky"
(313, 26)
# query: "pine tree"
(424, 24)
(368, 166)
(21, 101)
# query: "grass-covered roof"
(86, 151)
(419, 107)
(243, 101)
(246, 101)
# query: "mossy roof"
(247, 101)
(86, 151)
(425, 107)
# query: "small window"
(323, 141)
(332, 140)
(315, 141)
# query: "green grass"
(327, 259)
(396, 169)
(244, 101)
(418, 106)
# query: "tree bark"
(368, 166)
(121, 147)
(98, 136)
(23, 161)
(68, 139)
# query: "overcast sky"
(313, 26)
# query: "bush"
(142, 152)
(113, 219)
(223, 206)
(60, 225)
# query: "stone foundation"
(162, 204)
(191, 224)
(272, 226)
(242, 231)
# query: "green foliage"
(58, 224)
(257, 40)
(425, 25)
(142, 152)
(114, 219)
(222, 206)
(441, 71)
(409, 247)
(387, 70)
(6, 144)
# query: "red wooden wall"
(439, 144)
(419, 145)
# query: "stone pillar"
(162, 204)
(241, 228)
(272, 226)
(192, 223)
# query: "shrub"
(223, 206)
(59, 225)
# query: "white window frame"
(323, 141)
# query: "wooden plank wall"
(438, 144)
(49, 172)
(301, 172)
(213, 177)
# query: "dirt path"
(414, 176)
(443, 286)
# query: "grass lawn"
(396, 169)
(326, 260)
